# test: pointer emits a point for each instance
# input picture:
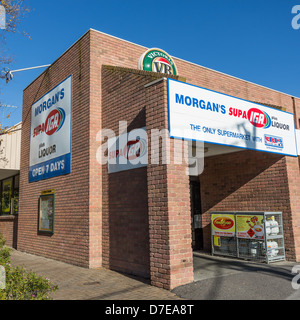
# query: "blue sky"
(253, 40)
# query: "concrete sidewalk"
(216, 278)
(76, 283)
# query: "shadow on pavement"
(207, 266)
(224, 278)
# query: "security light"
(8, 74)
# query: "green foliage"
(4, 252)
(23, 285)
(20, 284)
(2, 241)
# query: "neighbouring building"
(10, 148)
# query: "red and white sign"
(50, 133)
(199, 114)
(128, 151)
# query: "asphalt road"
(218, 278)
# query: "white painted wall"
(10, 147)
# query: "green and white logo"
(157, 60)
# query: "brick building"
(139, 221)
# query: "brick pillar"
(171, 258)
(95, 169)
(293, 174)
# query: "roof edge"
(58, 58)
(198, 65)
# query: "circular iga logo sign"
(54, 121)
(157, 60)
(259, 118)
(135, 149)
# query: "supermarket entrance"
(201, 195)
(196, 214)
(235, 204)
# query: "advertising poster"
(46, 213)
(223, 225)
(6, 195)
(199, 114)
(50, 137)
(250, 226)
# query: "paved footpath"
(76, 283)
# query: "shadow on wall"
(128, 217)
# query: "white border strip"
(298, 140)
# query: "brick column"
(171, 258)
(293, 174)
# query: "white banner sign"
(128, 151)
(298, 141)
(50, 137)
(200, 114)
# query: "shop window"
(6, 196)
(10, 195)
(15, 200)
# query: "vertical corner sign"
(50, 133)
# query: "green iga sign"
(157, 60)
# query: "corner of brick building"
(92, 205)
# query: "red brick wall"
(171, 260)
(219, 82)
(70, 241)
(107, 50)
(126, 243)
(293, 184)
(9, 229)
(155, 239)
(125, 209)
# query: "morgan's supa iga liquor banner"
(200, 114)
(50, 133)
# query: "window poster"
(46, 213)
